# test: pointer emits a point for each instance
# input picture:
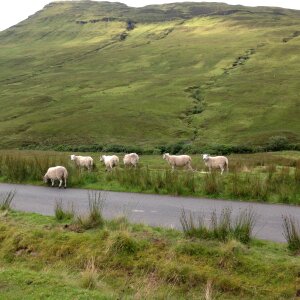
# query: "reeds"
(291, 232)
(221, 226)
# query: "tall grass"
(61, 213)
(89, 276)
(94, 217)
(6, 200)
(221, 226)
(291, 232)
(259, 177)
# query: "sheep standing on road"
(131, 159)
(110, 161)
(178, 161)
(83, 161)
(57, 173)
(216, 162)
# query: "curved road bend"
(154, 210)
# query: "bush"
(278, 143)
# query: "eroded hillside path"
(153, 210)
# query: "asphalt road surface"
(154, 210)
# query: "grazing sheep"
(178, 161)
(57, 173)
(83, 161)
(110, 161)
(216, 162)
(131, 159)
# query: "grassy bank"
(268, 177)
(41, 257)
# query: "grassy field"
(265, 177)
(41, 257)
(202, 74)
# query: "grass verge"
(41, 257)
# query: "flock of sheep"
(60, 173)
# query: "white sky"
(14, 11)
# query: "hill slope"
(98, 72)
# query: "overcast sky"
(14, 11)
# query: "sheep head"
(45, 178)
(72, 157)
(206, 157)
(165, 155)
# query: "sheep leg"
(222, 170)
(52, 182)
(189, 167)
(60, 183)
(65, 183)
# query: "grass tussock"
(89, 276)
(291, 232)
(94, 217)
(6, 200)
(62, 214)
(221, 226)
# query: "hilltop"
(82, 73)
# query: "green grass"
(265, 177)
(65, 83)
(42, 258)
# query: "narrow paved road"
(153, 210)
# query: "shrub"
(291, 232)
(277, 143)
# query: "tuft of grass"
(244, 225)
(123, 243)
(291, 232)
(94, 218)
(89, 276)
(62, 214)
(221, 227)
(6, 200)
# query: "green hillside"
(89, 72)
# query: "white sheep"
(216, 162)
(110, 161)
(83, 161)
(131, 159)
(57, 173)
(178, 161)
